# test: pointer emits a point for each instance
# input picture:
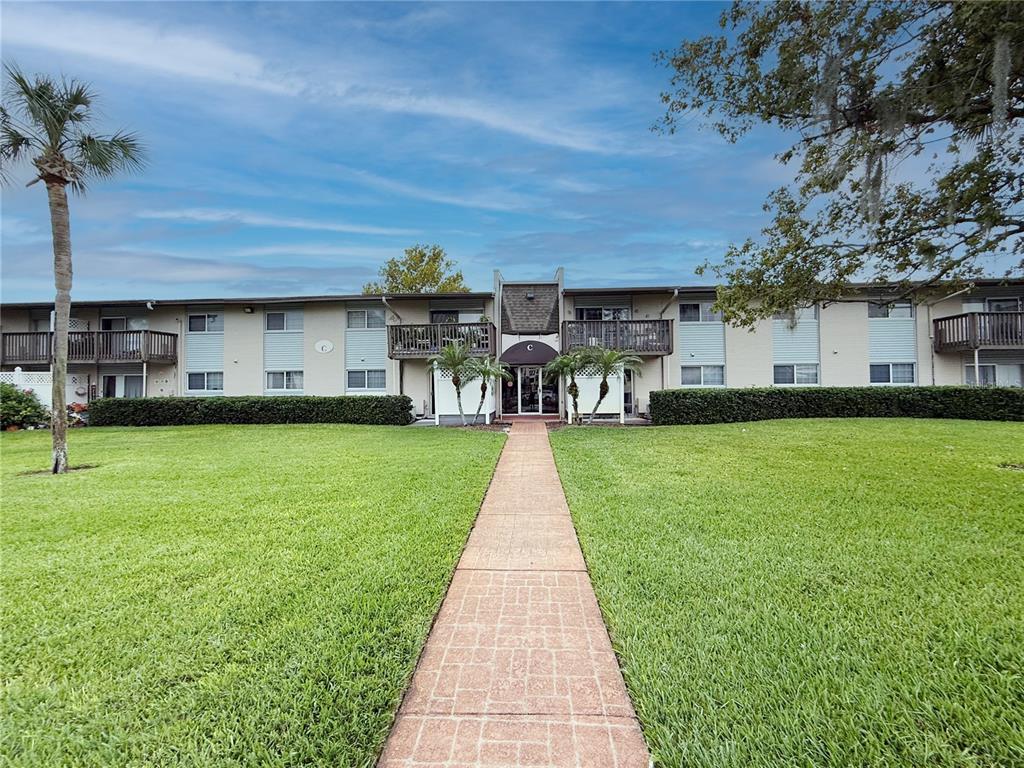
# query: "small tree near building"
(455, 358)
(567, 366)
(609, 362)
(489, 369)
(423, 269)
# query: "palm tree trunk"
(574, 393)
(458, 397)
(483, 396)
(602, 392)
(61, 227)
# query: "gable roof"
(529, 308)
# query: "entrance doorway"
(528, 393)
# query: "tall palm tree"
(454, 357)
(47, 121)
(609, 362)
(489, 369)
(567, 366)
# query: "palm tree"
(568, 365)
(489, 369)
(608, 362)
(47, 121)
(454, 357)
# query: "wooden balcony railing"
(641, 337)
(424, 340)
(979, 330)
(36, 347)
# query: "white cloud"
(487, 199)
(222, 216)
(173, 51)
(324, 250)
(192, 53)
(507, 118)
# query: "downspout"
(661, 316)
(181, 358)
(384, 299)
(145, 363)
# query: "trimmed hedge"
(714, 406)
(302, 409)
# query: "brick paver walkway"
(518, 669)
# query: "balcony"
(641, 337)
(418, 341)
(36, 347)
(979, 330)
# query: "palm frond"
(14, 144)
(455, 357)
(47, 104)
(102, 156)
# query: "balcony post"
(144, 348)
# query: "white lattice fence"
(38, 382)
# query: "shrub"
(20, 407)
(713, 406)
(174, 411)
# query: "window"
(603, 313)
(897, 309)
(207, 381)
(892, 373)
(133, 386)
(987, 373)
(699, 312)
(1004, 305)
(284, 379)
(366, 318)
(702, 376)
(370, 379)
(805, 373)
(444, 316)
(113, 324)
(208, 323)
(284, 321)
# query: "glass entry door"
(528, 393)
(529, 389)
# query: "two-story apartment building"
(357, 344)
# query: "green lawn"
(811, 593)
(225, 595)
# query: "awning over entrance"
(528, 353)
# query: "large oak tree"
(906, 119)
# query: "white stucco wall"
(748, 355)
(843, 329)
(324, 372)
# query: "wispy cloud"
(135, 273)
(319, 250)
(173, 51)
(251, 219)
(484, 199)
(195, 54)
(507, 118)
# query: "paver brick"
(518, 669)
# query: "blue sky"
(293, 147)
